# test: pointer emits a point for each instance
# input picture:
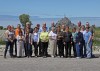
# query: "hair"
(8, 26)
(67, 27)
(87, 27)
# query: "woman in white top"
(53, 42)
(9, 41)
(20, 45)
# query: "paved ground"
(49, 64)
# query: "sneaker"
(52, 56)
(44, 56)
(78, 57)
(61, 56)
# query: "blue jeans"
(78, 50)
(89, 49)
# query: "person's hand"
(37, 43)
(79, 43)
(11, 40)
(64, 43)
(71, 42)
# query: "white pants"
(53, 47)
(20, 48)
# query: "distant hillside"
(66, 22)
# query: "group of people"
(60, 40)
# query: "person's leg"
(55, 48)
(35, 49)
(69, 49)
(42, 45)
(18, 46)
(46, 47)
(40, 49)
(84, 47)
(11, 49)
(77, 50)
(25, 48)
(74, 49)
(59, 46)
(88, 48)
(81, 50)
(15, 42)
(66, 50)
(30, 49)
(51, 47)
(5, 52)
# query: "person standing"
(63, 31)
(20, 45)
(17, 30)
(83, 44)
(79, 41)
(67, 41)
(35, 41)
(88, 42)
(60, 42)
(28, 45)
(74, 33)
(53, 42)
(9, 41)
(44, 37)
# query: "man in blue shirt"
(88, 42)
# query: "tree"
(24, 18)
(1, 27)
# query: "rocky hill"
(66, 22)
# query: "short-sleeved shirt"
(87, 36)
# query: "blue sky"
(51, 8)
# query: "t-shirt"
(87, 36)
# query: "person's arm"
(71, 37)
(90, 38)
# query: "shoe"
(61, 56)
(88, 57)
(78, 57)
(52, 56)
(44, 56)
(4, 57)
(36, 56)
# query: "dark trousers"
(40, 48)
(35, 48)
(8, 43)
(15, 43)
(28, 49)
(60, 48)
(74, 48)
(44, 46)
(68, 49)
(84, 47)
